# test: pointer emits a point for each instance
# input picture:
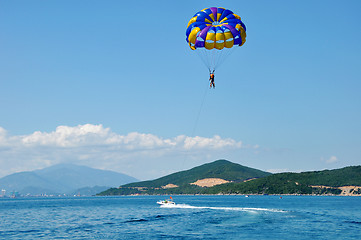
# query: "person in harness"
(211, 80)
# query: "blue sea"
(193, 217)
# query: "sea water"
(193, 217)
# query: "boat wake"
(254, 210)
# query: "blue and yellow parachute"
(214, 30)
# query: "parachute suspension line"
(225, 53)
(212, 59)
(218, 56)
(204, 56)
(208, 57)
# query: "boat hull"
(169, 203)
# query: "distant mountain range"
(63, 179)
(224, 177)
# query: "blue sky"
(114, 85)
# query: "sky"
(113, 85)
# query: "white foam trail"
(255, 210)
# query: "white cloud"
(3, 137)
(331, 159)
(216, 143)
(96, 146)
(278, 170)
(65, 136)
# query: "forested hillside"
(243, 180)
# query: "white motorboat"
(166, 202)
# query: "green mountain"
(222, 169)
(316, 182)
(218, 169)
(244, 180)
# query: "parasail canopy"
(215, 28)
(212, 32)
